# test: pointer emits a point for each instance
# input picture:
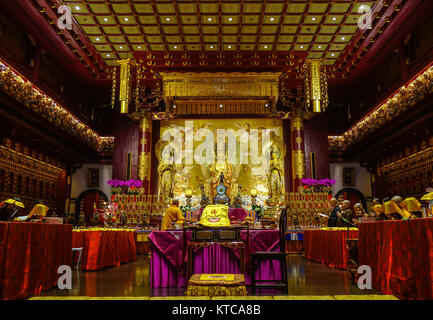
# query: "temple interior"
(156, 149)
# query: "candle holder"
(188, 196)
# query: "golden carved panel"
(144, 166)
(298, 164)
(221, 84)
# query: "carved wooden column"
(144, 149)
(298, 149)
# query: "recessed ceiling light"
(175, 47)
(168, 19)
(272, 19)
(342, 38)
(230, 18)
(229, 47)
(97, 39)
(126, 19)
(105, 19)
(211, 47)
(209, 19)
(77, 7)
(174, 106)
(313, 18)
(334, 18)
(108, 55)
(302, 47)
(121, 47)
(265, 47)
(333, 54)
(320, 47)
(221, 105)
(266, 105)
(139, 47)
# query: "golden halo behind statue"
(159, 149)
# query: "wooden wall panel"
(316, 140)
(125, 141)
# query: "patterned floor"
(307, 281)
(337, 297)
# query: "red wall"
(316, 140)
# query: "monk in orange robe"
(171, 215)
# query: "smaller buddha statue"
(221, 189)
(275, 176)
(204, 201)
(166, 171)
(237, 203)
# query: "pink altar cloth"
(166, 265)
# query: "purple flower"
(321, 182)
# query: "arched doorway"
(354, 196)
(86, 202)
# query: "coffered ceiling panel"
(116, 27)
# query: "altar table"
(30, 255)
(142, 242)
(294, 241)
(167, 265)
(400, 254)
(328, 246)
(104, 247)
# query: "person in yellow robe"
(171, 215)
(400, 208)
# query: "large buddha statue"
(166, 172)
(275, 175)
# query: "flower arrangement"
(319, 182)
(116, 183)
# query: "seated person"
(400, 208)
(11, 209)
(38, 211)
(171, 215)
(376, 201)
(360, 213)
(346, 217)
(428, 203)
(379, 212)
(333, 217)
(413, 206)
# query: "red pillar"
(298, 150)
(144, 151)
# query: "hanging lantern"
(125, 84)
(316, 86)
(113, 88)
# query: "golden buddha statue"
(215, 170)
(275, 175)
(166, 172)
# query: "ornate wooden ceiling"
(308, 28)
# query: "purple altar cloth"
(166, 258)
(239, 213)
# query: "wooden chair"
(281, 255)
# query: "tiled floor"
(306, 278)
